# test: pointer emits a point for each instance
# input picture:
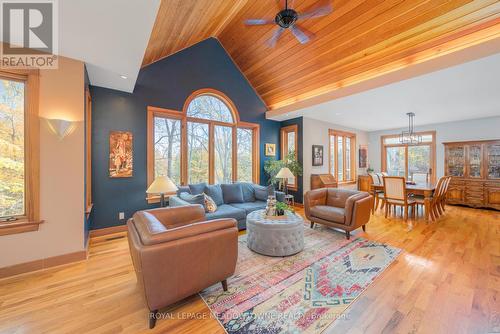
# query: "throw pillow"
(183, 189)
(197, 188)
(215, 191)
(232, 193)
(193, 199)
(262, 193)
(248, 192)
(210, 205)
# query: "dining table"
(424, 189)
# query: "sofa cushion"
(262, 193)
(215, 192)
(329, 213)
(248, 192)
(197, 188)
(250, 206)
(227, 211)
(232, 193)
(183, 189)
(193, 199)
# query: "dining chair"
(441, 203)
(439, 192)
(396, 195)
(377, 194)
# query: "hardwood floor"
(446, 281)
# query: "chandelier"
(410, 137)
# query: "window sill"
(18, 227)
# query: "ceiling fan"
(287, 19)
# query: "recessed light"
(123, 76)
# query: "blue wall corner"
(165, 84)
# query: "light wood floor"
(446, 281)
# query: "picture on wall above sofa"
(121, 155)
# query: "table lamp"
(162, 185)
(285, 174)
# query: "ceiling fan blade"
(277, 34)
(303, 35)
(317, 12)
(259, 22)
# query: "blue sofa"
(235, 200)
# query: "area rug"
(303, 293)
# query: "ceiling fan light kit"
(288, 18)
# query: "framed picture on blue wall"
(270, 150)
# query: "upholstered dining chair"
(396, 195)
(378, 195)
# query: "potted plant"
(273, 166)
(281, 208)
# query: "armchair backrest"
(395, 188)
(338, 197)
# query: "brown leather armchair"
(340, 208)
(176, 253)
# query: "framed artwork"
(121, 155)
(270, 150)
(363, 156)
(317, 155)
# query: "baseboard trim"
(107, 230)
(27, 267)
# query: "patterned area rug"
(303, 293)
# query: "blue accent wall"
(166, 84)
(299, 194)
(87, 219)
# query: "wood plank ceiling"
(360, 40)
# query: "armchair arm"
(172, 217)
(313, 198)
(360, 210)
(195, 229)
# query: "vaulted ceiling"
(359, 40)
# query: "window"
(342, 160)
(18, 152)
(414, 162)
(205, 143)
(289, 145)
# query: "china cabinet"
(475, 170)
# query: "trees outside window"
(409, 160)
(342, 162)
(204, 143)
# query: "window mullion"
(211, 156)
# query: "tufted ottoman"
(275, 236)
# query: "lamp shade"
(162, 185)
(285, 173)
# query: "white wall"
(476, 129)
(316, 133)
(61, 172)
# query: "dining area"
(414, 200)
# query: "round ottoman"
(271, 236)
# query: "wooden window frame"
(30, 221)
(182, 116)
(343, 134)
(423, 133)
(284, 131)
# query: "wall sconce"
(60, 127)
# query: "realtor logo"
(29, 34)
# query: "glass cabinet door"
(493, 160)
(455, 165)
(475, 161)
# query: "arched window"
(210, 107)
(206, 142)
